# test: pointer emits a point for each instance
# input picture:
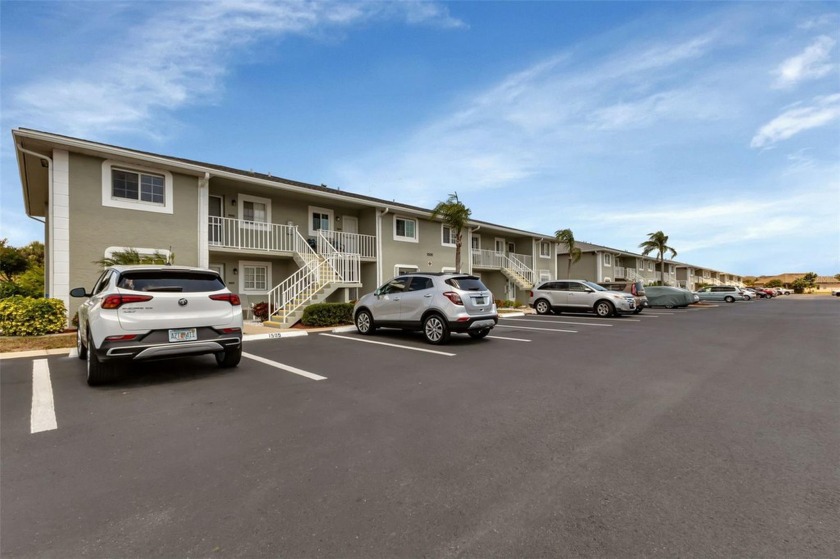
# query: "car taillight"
(531, 293)
(123, 338)
(229, 297)
(116, 301)
(229, 330)
(633, 290)
(454, 297)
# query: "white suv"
(580, 296)
(151, 312)
(435, 303)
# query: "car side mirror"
(79, 292)
(589, 290)
(377, 293)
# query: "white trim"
(474, 236)
(607, 260)
(316, 209)
(496, 245)
(110, 201)
(204, 222)
(240, 204)
(547, 244)
(59, 226)
(219, 268)
(404, 266)
(545, 275)
(241, 277)
(448, 270)
(416, 238)
(452, 235)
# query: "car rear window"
(466, 283)
(174, 281)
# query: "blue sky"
(717, 123)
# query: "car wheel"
(604, 309)
(364, 323)
(542, 306)
(229, 357)
(729, 299)
(478, 334)
(435, 330)
(637, 311)
(81, 350)
(97, 371)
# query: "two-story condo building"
(272, 239)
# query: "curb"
(36, 353)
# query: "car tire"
(364, 323)
(435, 329)
(729, 299)
(81, 349)
(478, 334)
(604, 309)
(637, 311)
(98, 372)
(542, 306)
(230, 357)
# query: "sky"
(717, 123)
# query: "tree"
(776, 282)
(12, 262)
(809, 280)
(658, 242)
(567, 238)
(837, 277)
(456, 216)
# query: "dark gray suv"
(435, 303)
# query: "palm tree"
(132, 256)
(566, 237)
(658, 242)
(456, 216)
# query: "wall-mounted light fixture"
(235, 272)
(233, 201)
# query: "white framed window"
(607, 259)
(320, 219)
(499, 246)
(254, 209)
(134, 187)
(545, 249)
(475, 242)
(400, 269)
(448, 270)
(640, 264)
(650, 266)
(447, 236)
(255, 277)
(545, 275)
(405, 229)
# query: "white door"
(350, 225)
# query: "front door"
(214, 210)
(350, 225)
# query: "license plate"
(183, 335)
(480, 301)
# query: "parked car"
(136, 313)
(579, 296)
(783, 291)
(769, 292)
(437, 304)
(835, 292)
(726, 293)
(749, 294)
(669, 297)
(756, 293)
(634, 288)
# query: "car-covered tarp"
(668, 297)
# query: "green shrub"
(27, 316)
(328, 314)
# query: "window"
(545, 249)
(545, 275)
(136, 188)
(405, 229)
(650, 266)
(420, 284)
(500, 246)
(396, 285)
(254, 209)
(320, 219)
(448, 236)
(476, 242)
(256, 277)
(401, 269)
(607, 259)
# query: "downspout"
(48, 233)
(379, 255)
(203, 221)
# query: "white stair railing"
(520, 268)
(296, 290)
(345, 265)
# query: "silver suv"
(580, 296)
(136, 313)
(435, 303)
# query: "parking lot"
(708, 431)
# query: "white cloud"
(178, 56)
(813, 63)
(823, 111)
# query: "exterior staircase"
(518, 272)
(319, 275)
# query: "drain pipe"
(48, 233)
(379, 246)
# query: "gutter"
(48, 233)
(379, 254)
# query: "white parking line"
(576, 317)
(534, 328)
(508, 339)
(288, 368)
(43, 406)
(562, 322)
(352, 339)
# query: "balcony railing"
(493, 259)
(352, 243)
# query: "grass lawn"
(29, 343)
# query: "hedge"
(327, 314)
(28, 316)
